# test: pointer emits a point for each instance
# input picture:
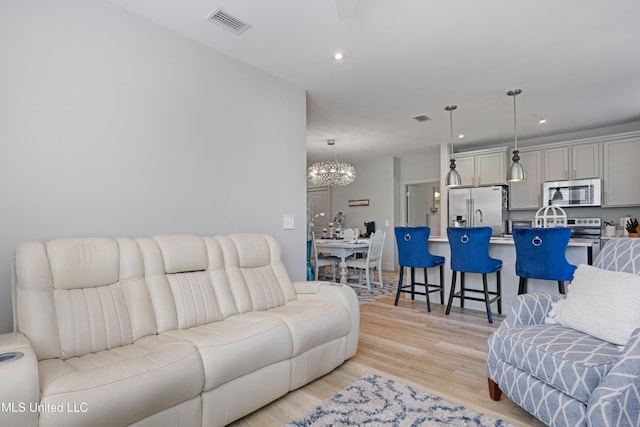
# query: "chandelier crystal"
(331, 173)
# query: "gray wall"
(112, 126)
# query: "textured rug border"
(392, 403)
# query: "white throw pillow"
(601, 303)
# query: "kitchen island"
(579, 251)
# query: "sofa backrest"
(75, 296)
(257, 275)
(187, 281)
(619, 254)
(78, 296)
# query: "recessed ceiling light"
(461, 136)
(542, 121)
(338, 56)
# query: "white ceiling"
(577, 62)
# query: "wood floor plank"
(432, 352)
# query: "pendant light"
(516, 172)
(453, 177)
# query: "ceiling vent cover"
(422, 118)
(227, 21)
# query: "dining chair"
(413, 252)
(470, 254)
(323, 261)
(372, 260)
(541, 254)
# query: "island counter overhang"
(579, 251)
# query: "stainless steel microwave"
(577, 192)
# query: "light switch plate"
(288, 222)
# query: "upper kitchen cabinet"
(465, 165)
(577, 161)
(621, 172)
(483, 167)
(527, 194)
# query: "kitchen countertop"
(508, 240)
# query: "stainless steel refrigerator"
(485, 206)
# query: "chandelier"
(331, 173)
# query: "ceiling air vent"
(422, 118)
(227, 21)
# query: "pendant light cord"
(450, 109)
(514, 93)
(515, 127)
(451, 130)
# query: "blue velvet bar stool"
(413, 252)
(470, 254)
(541, 254)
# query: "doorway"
(319, 202)
(423, 205)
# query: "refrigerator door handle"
(467, 208)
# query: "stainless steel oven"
(587, 228)
(578, 192)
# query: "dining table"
(342, 249)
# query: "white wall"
(113, 126)
(374, 181)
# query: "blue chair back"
(470, 250)
(541, 253)
(413, 248)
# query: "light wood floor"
(442, 355)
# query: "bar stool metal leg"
(452, 291)
(427, 291)
(499, 290)
(487, 302)
(442, 284)
(399, 285)
(461, 289)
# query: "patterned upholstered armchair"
(560, 375)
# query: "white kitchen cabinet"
(585, 160)
(491, 168)
(621, 172)
(482, 168)
(527, 194)
(466, 168)
(578, 161)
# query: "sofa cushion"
(122, 385)
(602, 303)
(562, 357)
(311, 322)
(237, 346)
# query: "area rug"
(376, 401)
(365, 296)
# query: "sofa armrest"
(19, 389)
(616, 400)
(530, 309)
(347, 296)
(308, 287)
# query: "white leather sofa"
(175, 330)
